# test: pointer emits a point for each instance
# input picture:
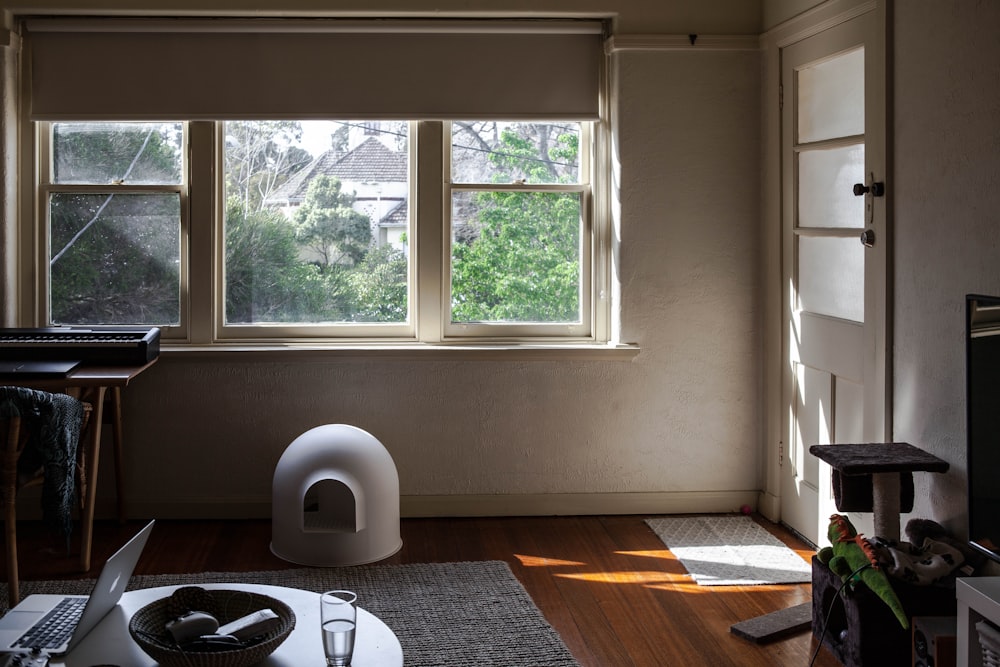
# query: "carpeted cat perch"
(877, 478)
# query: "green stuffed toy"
(849, 552)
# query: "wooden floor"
(607, 584)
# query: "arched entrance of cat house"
(335, 499)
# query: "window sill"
(409, 351)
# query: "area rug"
(444, 614)
(730, 551)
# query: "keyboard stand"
(92, 384)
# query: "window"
(282, 223)
(518, 219)
(316, 222)
(112, 195)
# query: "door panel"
(831, 344)
(831, 96)
(849, 403)
(814, 409)
(826, 179)
(835, 305)
(831, 276)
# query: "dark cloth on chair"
(53, 422)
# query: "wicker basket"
(148, 626)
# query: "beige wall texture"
(946, 124)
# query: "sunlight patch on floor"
(685, 584)
(655, 553)
(541, 561)
(644, 578)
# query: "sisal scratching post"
(885, 504)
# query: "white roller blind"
(220, 69)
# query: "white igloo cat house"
(335, 499)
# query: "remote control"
(251, 625)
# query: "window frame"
(44, 187)
(298, 332)
(524, 330)
(202, 252)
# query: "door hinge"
(781, 453)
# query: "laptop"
(21, 627)
(37, 368)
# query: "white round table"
(110, 643)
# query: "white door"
(834, 259)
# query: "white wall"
(947, 223)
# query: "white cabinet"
(978, 599)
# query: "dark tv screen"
(983, 422)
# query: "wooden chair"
(14, 436)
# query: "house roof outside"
(398, 217)
(370, 162)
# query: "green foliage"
(115, 257)
(524, 264)
(327, 223)
(522, 261)
(111, 152)
(266, 281)
(530, 153)
(379, 283)
(124, 268)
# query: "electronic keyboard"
(111, 346)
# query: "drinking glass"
(338, 618)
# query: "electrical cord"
(829, 612)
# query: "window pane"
(515, 257)
(104, 153)
(831, 98)
(831, 277)
(114, 258)
(494, 152)
(826, 181)
(317, 222)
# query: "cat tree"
(875, 478)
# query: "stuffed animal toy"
(922, 531)
(849, 553)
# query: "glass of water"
(338, 618)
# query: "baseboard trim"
(579, 504)
(474, 505)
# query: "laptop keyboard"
(54, 629)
